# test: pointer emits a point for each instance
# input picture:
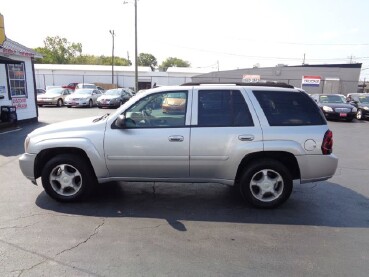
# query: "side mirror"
(120, 122)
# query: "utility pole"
(136, 57)
(112, 57)
(364, 85)
(303, 61)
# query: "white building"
(17, 83)
(124, 76)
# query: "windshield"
(113, 92)
(54, 91)
(84, 91)
(330, 99)
(364, 99)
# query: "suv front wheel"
(67, 178)
(266, 183)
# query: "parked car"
(257, 138)
(83, 97)
(40, 91)
(71, 86)
(334, 107)
(174, 102)
(54, 96)
(85, 85)
(113, 98)
(361, 102)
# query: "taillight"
(327, 145)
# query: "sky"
(210, 35)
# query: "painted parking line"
(10, 131)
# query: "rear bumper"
(27, 165)
(317, 167)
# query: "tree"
(173, 62)
(58, 50)
(145, 59)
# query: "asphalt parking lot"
(146, 229)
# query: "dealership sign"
(312, 81)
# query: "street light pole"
(112, 57)
(136, 57)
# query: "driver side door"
(153, 144)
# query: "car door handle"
(176, 138)
(246, 137)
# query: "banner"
(311, 81)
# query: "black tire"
(74, 185)
(40, 105)
(69, 106)
(90, 104)
(276, 194)
(59, 103)
(359, 114)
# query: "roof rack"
(258, 84)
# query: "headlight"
(354, 110)
(366, 108)
(327, 109)
(26, 143)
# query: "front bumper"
(84, 102)
(46, 102)
(337, 115)
(27, 165)
(108, 104)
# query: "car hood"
(42, 96)
(336, 105)
(77, 95)
(108, 97)
(71, 128)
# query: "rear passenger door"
(224, 128)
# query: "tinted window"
(223, 108)
(288, 108)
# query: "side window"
(289, 108)
(223, 108)
(160, 110)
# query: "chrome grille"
(342, 110)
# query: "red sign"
(20, 103)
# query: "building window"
(17, 80)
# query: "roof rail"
(257, 84)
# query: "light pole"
(136, 54)
(112, 57)
(136, 57)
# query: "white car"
(258, 138)
(82, 97)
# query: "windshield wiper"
(101, 117)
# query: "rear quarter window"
(289, 108)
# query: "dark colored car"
(71, 86)
(361, 102)
(113, 98)
(333, 107)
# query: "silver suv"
(258, 138)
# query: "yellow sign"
(2, 30)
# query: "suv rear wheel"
(266, 183)
(68, 178)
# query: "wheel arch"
(45, 155)
(286, 158)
